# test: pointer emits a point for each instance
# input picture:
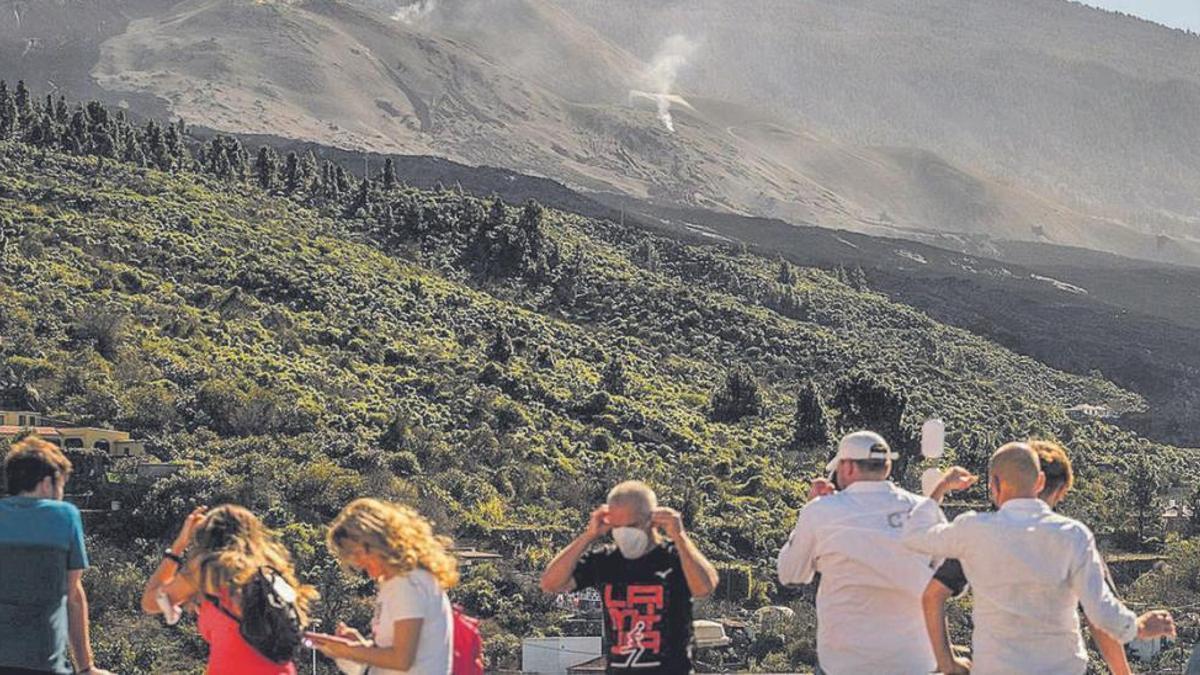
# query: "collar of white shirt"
(1031, 505)
(869, 486)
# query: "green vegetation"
(304, 337)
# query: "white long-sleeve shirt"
(1029, 568)
(869, 618)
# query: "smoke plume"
(661, 75)
(415, 11)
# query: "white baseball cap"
(861, 445)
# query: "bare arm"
(559, 574)
(78, 629)
(406, 636)
(933, 603)
(700, 574)
(168, 577)
(1112, 650)
(954, 480)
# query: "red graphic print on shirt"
(634, 621)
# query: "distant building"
(148, 472)
(1177, 517)
(68, 435)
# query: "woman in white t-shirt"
(413, 626)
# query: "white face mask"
(631, 541)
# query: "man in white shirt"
(869, 616)
(1030, 568)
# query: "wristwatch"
(171, 555)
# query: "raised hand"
(184, 538)
(667, 520)
(958, 478)
(821, 487)
(598, 523)
(1154, 624)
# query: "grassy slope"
(274, 346)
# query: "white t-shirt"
(416, 595)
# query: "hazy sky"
(1174, 13)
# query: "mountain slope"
(497, 368)
(527, 85)
(1093, 109)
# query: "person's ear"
(1041, 482)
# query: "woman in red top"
(230, 546)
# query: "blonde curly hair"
(398, 534)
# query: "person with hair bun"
(230, 547)
(412, 629)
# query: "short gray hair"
(634, 493)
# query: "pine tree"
(647, 254)
(79, 132)
(343, 179)
(176, 149)
(10, 235)
(265, 168)
(787, 273)
(362, 200)
(501, 348)
(865, 402)
(308, 171)
(613, 379)
(858, 278)
(1145, 481)
(389, 174)
(530, 224)
(133, 152)
(497, 215)
(237, 157)
(810, 429)
(1194, 507)
(155, 146)
(103, 143)
(8, 112)
(292, 178)
(62, 114)
(44, 132)
(24, 105)
(387, 219)
(737, 396)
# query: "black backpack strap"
(216, 601)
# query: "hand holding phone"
(326, 638)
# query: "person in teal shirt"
(43, 607)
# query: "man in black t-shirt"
(646, 583)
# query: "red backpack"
(468, 644)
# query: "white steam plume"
(661, 75)
(415, 11)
